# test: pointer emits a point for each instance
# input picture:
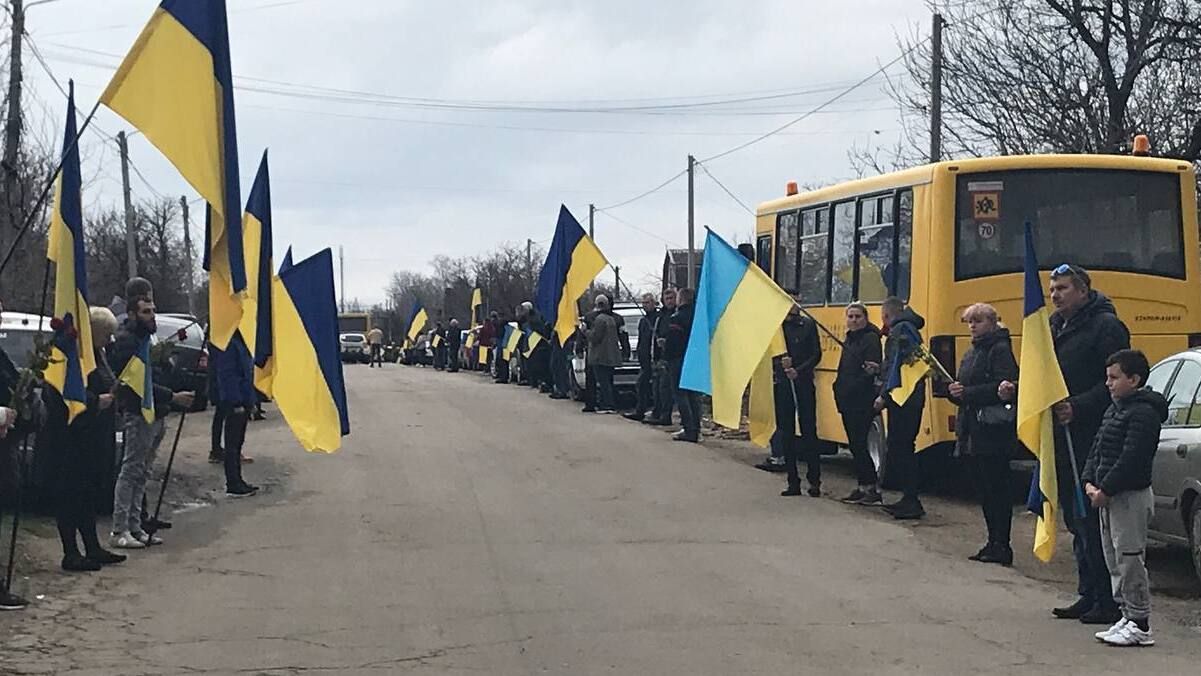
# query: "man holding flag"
(904, 395)
(1085, 331)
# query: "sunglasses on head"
(1065, 269)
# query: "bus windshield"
(1099, 219)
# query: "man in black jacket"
(454, 341)
(687, 401)
(796, 401)
(1086, 331)
(661, 383)
(646, 343)
(1117, 479)
(904, 418)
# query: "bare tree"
(1036, 76)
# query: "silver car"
(1176, 476)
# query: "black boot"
(1074, 611)
(998, 553)
(74, 563)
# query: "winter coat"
(661, 329)
(603, 346)
(129, 338)
(231, 375)
(646, 337)
(989, 361)
(854, 387)
(1124, 451)
(898, 344)
(88, 444)
(678, 330)
(454, 338)
(487, 335)
(1082, 344)
(800, 339)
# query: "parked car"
(1176, 475)
(189, 358)
(354, 348)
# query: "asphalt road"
(468, 527)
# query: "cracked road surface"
(468, 527)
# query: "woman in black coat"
(81, 453)
(854, 394)
(986, 426)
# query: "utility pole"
(936, 90)
(12, 128)
(617, 282)
(529, 258)
(691, 224)
(591, 221)
(187, 247)
(342, 279)
(131, 253)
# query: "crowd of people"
(1114, 421)
(82, 453)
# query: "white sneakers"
(1125, 634)
(125, 541)
(148, 539)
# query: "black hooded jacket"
(854, 388)
(1082, 344)
(804, 348)
(1124, 450)
(984, 366)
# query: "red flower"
(182, 334)
(56, 324)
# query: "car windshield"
(168, 327)
(353, 338)
(631, 317)
(18, 345)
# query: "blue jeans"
(142, 440)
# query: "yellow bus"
(949, 234)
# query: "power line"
(634, 227)
(727, 190)
(648, 193)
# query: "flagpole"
(819, 324)
(1067, 434)
(167, 475)
(41, 200)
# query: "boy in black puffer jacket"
(1117, 480)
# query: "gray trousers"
(142, 440)
(1124, 539)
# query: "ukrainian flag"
(176, 87)
(309, 388)
(72, 357)
(762, 409)
(287, 262)
(532, 340)
(417, 321)
(739, 310)
(255, 326)
(1040, 387)
(138, 376)
(477, 299)
(511, 338)
(909, 367)
(571, 264)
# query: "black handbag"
(1002, 414)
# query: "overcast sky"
(397, 181)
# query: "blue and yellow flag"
(571, 264)
(909, 367)
(532, 340)
(138, 376)
(761, 412)
(176, 87)
(1040, 387)
(309, 387)
(417, 321)
(287, 262)
(72, 358)
(477, 300)
(510, 340)
(739, 310)
(437, 341)
(255, 326)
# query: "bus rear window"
(1126, 221)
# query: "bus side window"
(843, 263)
(875, 248)
(763, 253)
(898, 276)
(787, 240)
(814, 248)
